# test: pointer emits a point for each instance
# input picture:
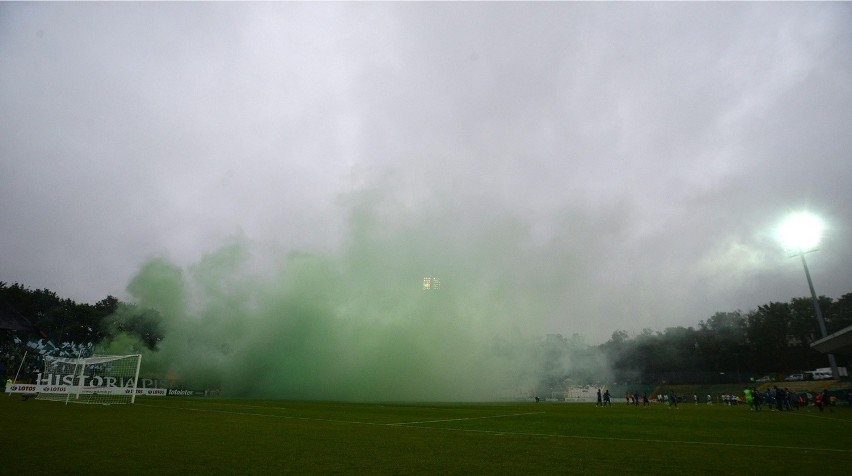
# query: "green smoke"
(355, 324)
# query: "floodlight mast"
(805, 241)
(817, 309)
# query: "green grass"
(171, 435)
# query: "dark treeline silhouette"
(773, 339)
(63, 320)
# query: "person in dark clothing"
(672, 400)
(600, 399)
(780, 398)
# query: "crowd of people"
(775, 399)
(782, 399)
(11, 365)
(604, 398)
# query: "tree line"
(775, 338)
(63, 320)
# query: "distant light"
(431, 283)
(800, 233)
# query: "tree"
(767, 334)
(130, 319)
(64, 320)
(839, 316)
(721, 341)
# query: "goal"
(99, 379)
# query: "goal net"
(99, 379)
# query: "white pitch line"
(638, 440)
(288, 417)
(267, 415)
(510, 433)
(820, 416)
(463, 419)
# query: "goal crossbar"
(100, 379)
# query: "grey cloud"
(605, 165)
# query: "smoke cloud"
(289, 172)
(355, 323)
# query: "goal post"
(99, 379)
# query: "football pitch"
(171, 435)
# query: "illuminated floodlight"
(800, 233)
(431, 283)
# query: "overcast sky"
(604, 165)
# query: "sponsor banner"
(86, 390)
(151, 391)
(91, 390)
(176, 392)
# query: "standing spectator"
(779, 398)
(758, 399)
(826, 400)
(600, 400)
(709, 399)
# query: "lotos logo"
(179, 392)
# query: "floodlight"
(800, 233)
